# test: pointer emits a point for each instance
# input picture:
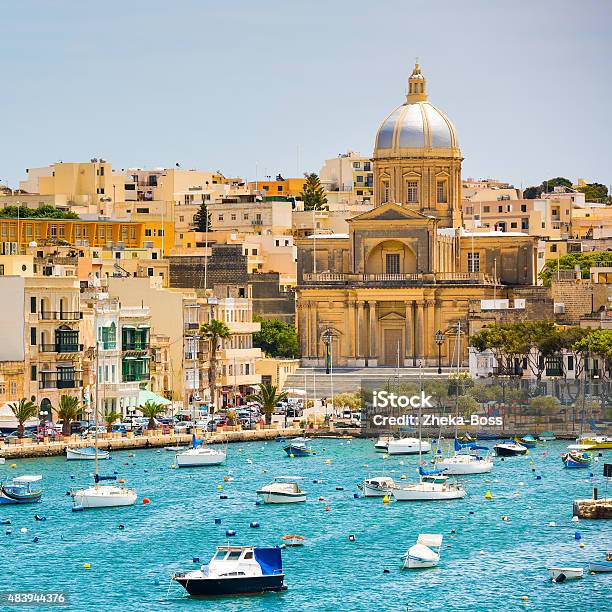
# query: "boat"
(463, 463)
(101, 495)
(2, 460)
(482, 435)
(561, 574)
(408, 446)
(602, 567)
(88, 453)
(282, 490)
(280, 439)
(576, 459)
(465, 437)
(293, 540)
(21, 491)
(199, 455)
(596, 442)
(378, 486)
(382, 444)
(299, 447)
(425, 553)
(432, 486)
(175, 449)
(236, 570)
(528, 441)
(509, 449)
(547, 436)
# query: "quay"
(593, 508)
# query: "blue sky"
(231, 85)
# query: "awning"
(148, 396)
(128, 327)
(144, 326)
(109, 324)
(129, 358)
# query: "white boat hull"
(77, 454)
(427, 492)
(191, 459)
(104, 496)
(408, 446)
(369, 491)
(271, 497)
(420, 557)
(462, 465)
(570, 573)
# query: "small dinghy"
(87, 453)
(199, 455)
(547, 436)
(377, 487)
(293, 540)
(528, 441)
(561, 574)
(425, 553)
(575, 459)
(21, 491)
(282, 490)
(509, 449)
(299, 447)
(382, 444)
(236, 570)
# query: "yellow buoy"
(219, 487)
(86, 565)
(403, 477)
(386, 499)
(291, 456)
(525, 598)
(488, 495)
(385, 456)
(13, 465)
(327, 462)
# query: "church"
(406, 269)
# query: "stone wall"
(268, 301)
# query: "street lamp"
(327, 340)
(440, 338)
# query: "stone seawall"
(593, 508)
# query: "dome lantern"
(416, 86)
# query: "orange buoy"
(327, 508)
(146, 500)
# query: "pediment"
(389, 212)
(392, 316)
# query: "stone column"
(419, 329)
(409, 335)
(360, 345)
(349, 328)
(372, 354)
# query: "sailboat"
(101, 495)
(462, 463)
(199, 455)
(432, 485)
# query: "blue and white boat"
(21, 490)
(88, 453)
(299, 447)
(602, 567)
(576, 459)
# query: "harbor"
(519, 516)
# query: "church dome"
(416, 128)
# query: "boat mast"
(97, 356)
(420, 419)
(458, 345)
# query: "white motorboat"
(103, 496)
(510, 449)
(432, 486)
(382, 444)
(408, 446)
(236, 570)
(88, 453)
(378, 486)
(282, 490)
(561, 574)
(425, 553)
(463, 463)
(200, 456)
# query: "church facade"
(406, 269)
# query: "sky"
(260, 87)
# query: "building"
(377, 295)
(348, 178)
(280, 187)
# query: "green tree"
(267, 397)
(46, 211)
(23, 410)
(109, 419)
(214, 331)
(351, 401)
(585, 261)
(313, 194)
(68, 411)
(202, 218)
(151, 410)
(532, 193)
(545, 404)
(468, 406)
(276, 338)
(595, 192)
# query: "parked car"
(182, 426)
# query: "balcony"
(51, 381)
(135, 376)
(60, 348)
(507, 371)
(135, 346)
(461, 278)
(54, 315)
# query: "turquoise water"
(330, 572)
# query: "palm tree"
(267, 398)
(109, 419)
(23, 410)
(151, 410)
(68, 411)
(214, 331)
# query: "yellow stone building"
(406, 268)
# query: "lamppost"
(440, 338)
(327, 340)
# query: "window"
(233, 217)
(441, 192)
(412, 192)
(277, 242)
(220, 218)
(254, 252)
(147, 232)
(33, 372)
(32, 336)
(280, 188)
(360, 178)
(246, 216)
(384, 192)
(486, 209)
(32, 304)
(393, 263)
(160, 232)
(523, 207)
(553, 248)
(500, 209)
(366, 166)
(13, 388)
(181, 218)
(473, 262)
(2, 388)
(54, 231)
(360, 192)
(570, 362)
(2, 270)
(356, 165)
(513, 225)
